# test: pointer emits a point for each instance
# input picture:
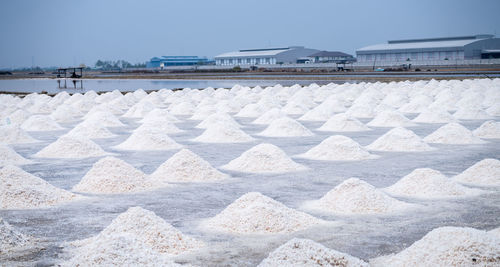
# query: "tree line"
(118, 64)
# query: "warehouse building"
(165, 61)
(265, 56)
(431, 49)
(331, 57)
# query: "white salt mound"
(434, 116)
(135, 236)
(471, 113)
(71, 147)
(453, 133)
(354, 196)
(495, 232)
(13, 134)
(90, 130)
(269, 116)
(447, 246)
(305, 252)
(40, 123)
(338, 147)
(254, 213)
(167, 128)
(11, 239)
(148, 140)
(489, 129)
(10, 157)
(390, 118)
(343, 123)
(112, 175)
(264, 158)
(221, 118)
(429, 183)
(399, 139)
(22, 190)
(186, 166)
(106, 119)
(221, 133)
(486, 172)
(285, 127)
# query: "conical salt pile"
(471, 113)
(264, 158)
(447, 246)
(399, 139)
(486, 173)
(453, 133)
(11, 239)
(71, 147)
(112, 175)
(434, 116)
(66, 113)
(338, 147)
(91, 130)
(139, 110)
(13, 134)
(159, 115)
(286, 127)
(148, 140)
(354, 196)
(148, 238)
(270, 116)
(390, 118)
(429, 183)
(10, 157)
(251, 110)
(222, 118)
(106, 119)
(166, 127)
(254, 213)
(222, 133)
(185, 166)
(343, 123)
(489, 129)
(320, 113)
(307, 253)
(40, 123)
(22, 190)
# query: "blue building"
(165, 61)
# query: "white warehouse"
(265, 56)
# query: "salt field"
(362, 174)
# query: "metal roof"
(330, 54)
(254, 53)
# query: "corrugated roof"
(253, 53)
(418, 45)
(330, 54)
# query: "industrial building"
(265, 56)
(165, 61)
(331, 57)
(432, 49)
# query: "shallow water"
(185, 205)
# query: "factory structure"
(432, 49)
(166, 61)
(264, 56)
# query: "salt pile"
(90, 129)
(486, 173)
(182, 108)
(10, 157)
(269, 116)
(471, 113)
(447, 246)
(338, 147)
(264, 158)
(254, 213)
(148, 140)
(343, 123)
(112, 175)
(453, 133)
(219, 117)
(186, 166)
(222, 133)
(429, 183)
(251, 110)
(13, 134)
(40, 123)
(135, 237)
(11, 239)
(489, 129)
(322, 112)
(71, 147)
(16, 117)
(285, 127)
(390, 118)
(22, 190)
(305, 252)
(139, 110)
(66, 113)
(434, 116)
(158, 116)
(106, 119)
(399, 139)
(354, 196)
(166, 127)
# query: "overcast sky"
(66, 32)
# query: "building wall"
(415, 55)
(291, 56)
(473, 51)
(239, 61)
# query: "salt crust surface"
(343, 123)
(305, 252)
(448, 246)
(485, 172)
(148, 140)
(285, 127)
(10, 157)
(264, 158)
(137, 236)
(71, 147)
(11, 239)
(221, 133)
(254, 213)
(40, 123)
(390, 118)
(338, 147)
(489, 129)
(399, 139)
(429, 183)
(355, 196)
(453, 133)
(22, 190)
(111, 175)
(185, 166)
(90, 129)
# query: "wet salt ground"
(185, 205)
